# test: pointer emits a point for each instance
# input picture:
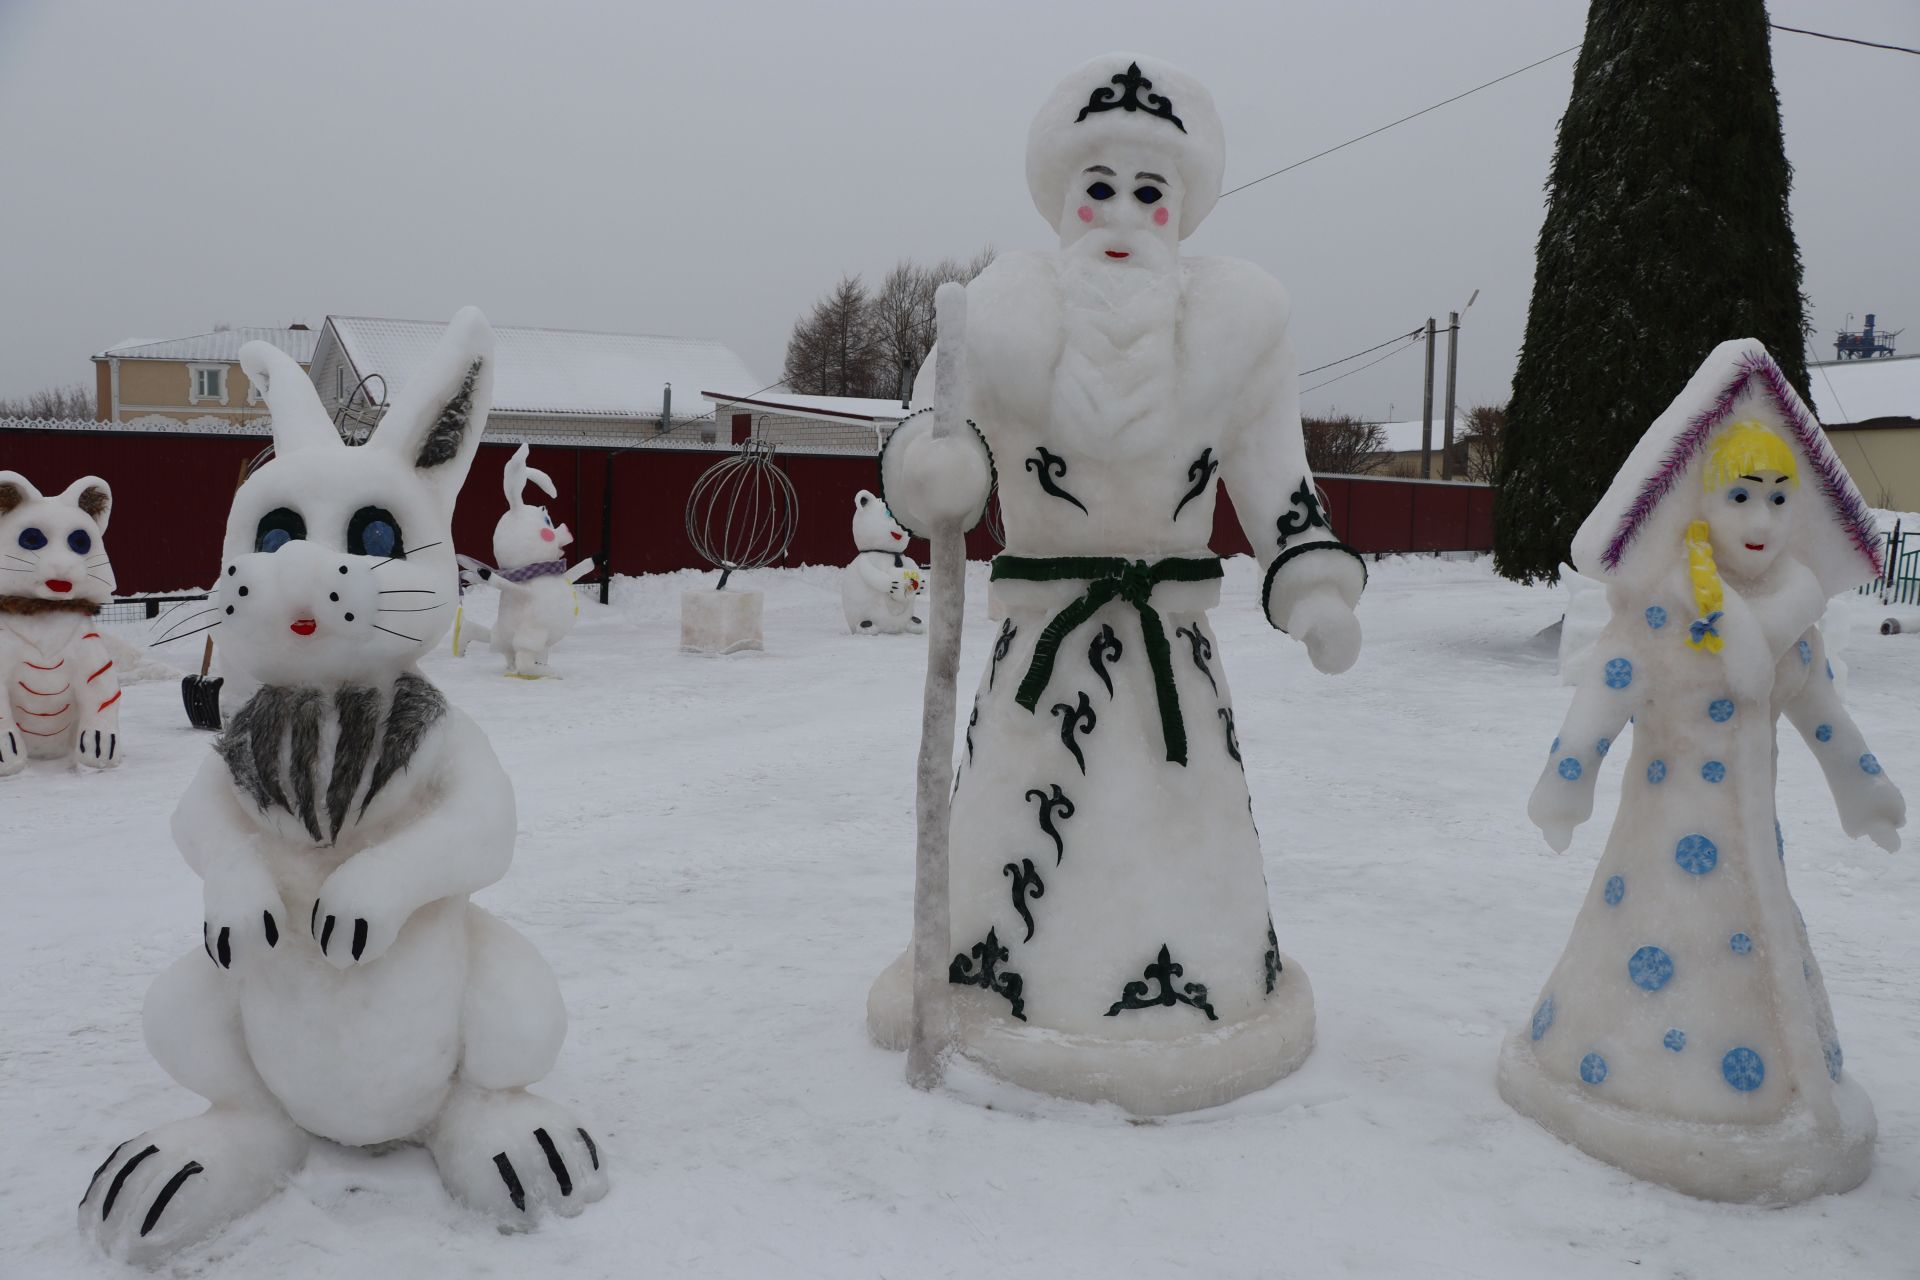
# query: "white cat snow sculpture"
(1685, 1035)
(62, 700)
(537, 607)
(348, 797)
(883, 591)
(1115, 380)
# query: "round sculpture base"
(1775, 1164)
(1141, 1076)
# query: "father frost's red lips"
(1116, 253)
(304, 626)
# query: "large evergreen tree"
(1667, 233)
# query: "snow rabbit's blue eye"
(374, 532)
(32, 539)
(1100, 191)
(1147, 195)
(81, 541)
(277, 528)
(1737, 495)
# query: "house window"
(209, 383)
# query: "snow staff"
(1113, 381)
(345, 987)
(1685, 1035)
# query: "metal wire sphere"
(743, 511)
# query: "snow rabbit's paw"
(514, 1155)
(97, 748)
(356, 917)
(242, 910)
(13, 752)
(177, 1184)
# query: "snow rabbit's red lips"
(304, 626)
(59, 584)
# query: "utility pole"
(1426, 412)
(1453, 364)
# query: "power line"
(1398, 337)
(1402, 120)
(1871, 44)
(1412, 340)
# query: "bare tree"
(1486, 429)
(874, 348)
(71, 401)
(831, 350)
(1344, 446)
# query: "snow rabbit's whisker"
(184, 634)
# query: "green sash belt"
(1109, 578)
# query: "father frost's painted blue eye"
(1100, 191)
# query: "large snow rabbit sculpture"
(537, 607)
(1685, 1035)
(62, 700)
(346, 988)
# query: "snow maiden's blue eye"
(32, 539)
(1777, 498)
(81, 541)
(1100, 191)
(277, 528)
(374, 532)
(1737, 495)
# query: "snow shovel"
(929, 1040)
(202, 695)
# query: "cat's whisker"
(410, 551)
(377, 627)
(19, 560)
(11, 569)
(411, 591)
(184, 621)
(97, 578)
(183, 635)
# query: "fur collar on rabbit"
(30, 606)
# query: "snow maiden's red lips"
(304, 626)
(1116, 253)
(59, 584)
(1756, 546)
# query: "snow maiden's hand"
(1558, 806)
(242, 906)
(1325, 623)
(1607, 697)
(1869, 804)
(1880, 816)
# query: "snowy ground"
(715, 854)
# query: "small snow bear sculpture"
(347, 795)
(882, 591)
(1685, 1035)
(62, 699)
(537, 607)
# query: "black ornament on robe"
(1104, 649)
(1201, 474)
(1026, 884)
(1047, 467)
(1075, 719)
(1141, 995)
(1202, 650)
(989, 955)
(1053, 808)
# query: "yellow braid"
(1709, 594)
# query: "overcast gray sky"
(707, 168)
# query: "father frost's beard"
(1117, 369)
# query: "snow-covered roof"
(221, 344)
(1404, 437)
(831, 408)
(1861, 390)
(559, 372)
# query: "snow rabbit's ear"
(15, 491)
(92, 495)
(293, 406)
(862, 500)
(517, 475)
(436, 421)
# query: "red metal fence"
(171, 496)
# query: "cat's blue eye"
(81, 541)
(1777, 499)
(1737, 495)
(32, 539)
(1100, 191)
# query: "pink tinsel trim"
(1686, 446)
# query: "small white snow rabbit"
(349, 796)
(537, 607)
(883, 591)
(62, 700)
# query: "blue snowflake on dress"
(1676, 1039)
(1657, 771)
(1570, 769)
(1656, 617)
(1832, 1050)
(1713, 771)
(1743, 1069)
(1619, 673)
(1824, 733)
(1806, 653)
(1616, 890)
(1593, 1068)
(1543, 1017)
(1603, 746)
(1650, 968)
(1869, 764)
(1696, 854)
(1720, 710)
(1740, 943)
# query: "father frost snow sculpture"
(1111, 937)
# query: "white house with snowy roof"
(839, 424)
(1871, 410)
(554, 386)
(191, 383)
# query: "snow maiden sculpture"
(883, 590)
(537, 607)
(1685, 1035)
(1114, 380)
(348, 797)
(62, 700)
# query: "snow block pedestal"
(720, 621)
